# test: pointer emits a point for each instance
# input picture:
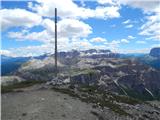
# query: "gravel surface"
(44, 104)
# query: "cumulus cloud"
(106, 12)
(151, 9)
(67, 28)
(7, 53)
(106, 2)
(33, 50)
(145, 5)
(98, 39)
(124, 41)
(73, 28)
(46, 8)
(129, 26)
(72, 31)
(126, 22)
(42, 36)
(131, 37)
(64, 44)
(18, 17)
(152, 27)
(113, 45)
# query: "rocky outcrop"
(10, 80)
(152, 81)
(88, 77)
(37, 63)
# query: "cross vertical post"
(56, 70)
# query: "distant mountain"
(155, 52)
(10, 64)
(94, 54)
(152, 59)
(132, 55)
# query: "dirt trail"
(43, 104)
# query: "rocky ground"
(41, 102)
(35, 103)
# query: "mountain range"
(136, 76)
(10, 64)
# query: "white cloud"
(144, 50)
(148, 6)
(73, 28)
(141, 42)
(106, 12)
(18, 17)
(46, 8)
(82, 3)
(145, 5)
(131, 37)
(106, 2)
(63, 45)
(72, 32)
(126, 22)
(42, 36)
(98, 39)
(113, 45)
(67, 28)
(152, 27)
(33, 50)
(124, 41)
(129, 26)
(85, 45)
(7, 53)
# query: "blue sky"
(121, 26)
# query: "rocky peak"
(155, 52)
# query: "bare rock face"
(37, 64)
(88, 77)
(10, 80)
(155, 52)
(152, 81)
